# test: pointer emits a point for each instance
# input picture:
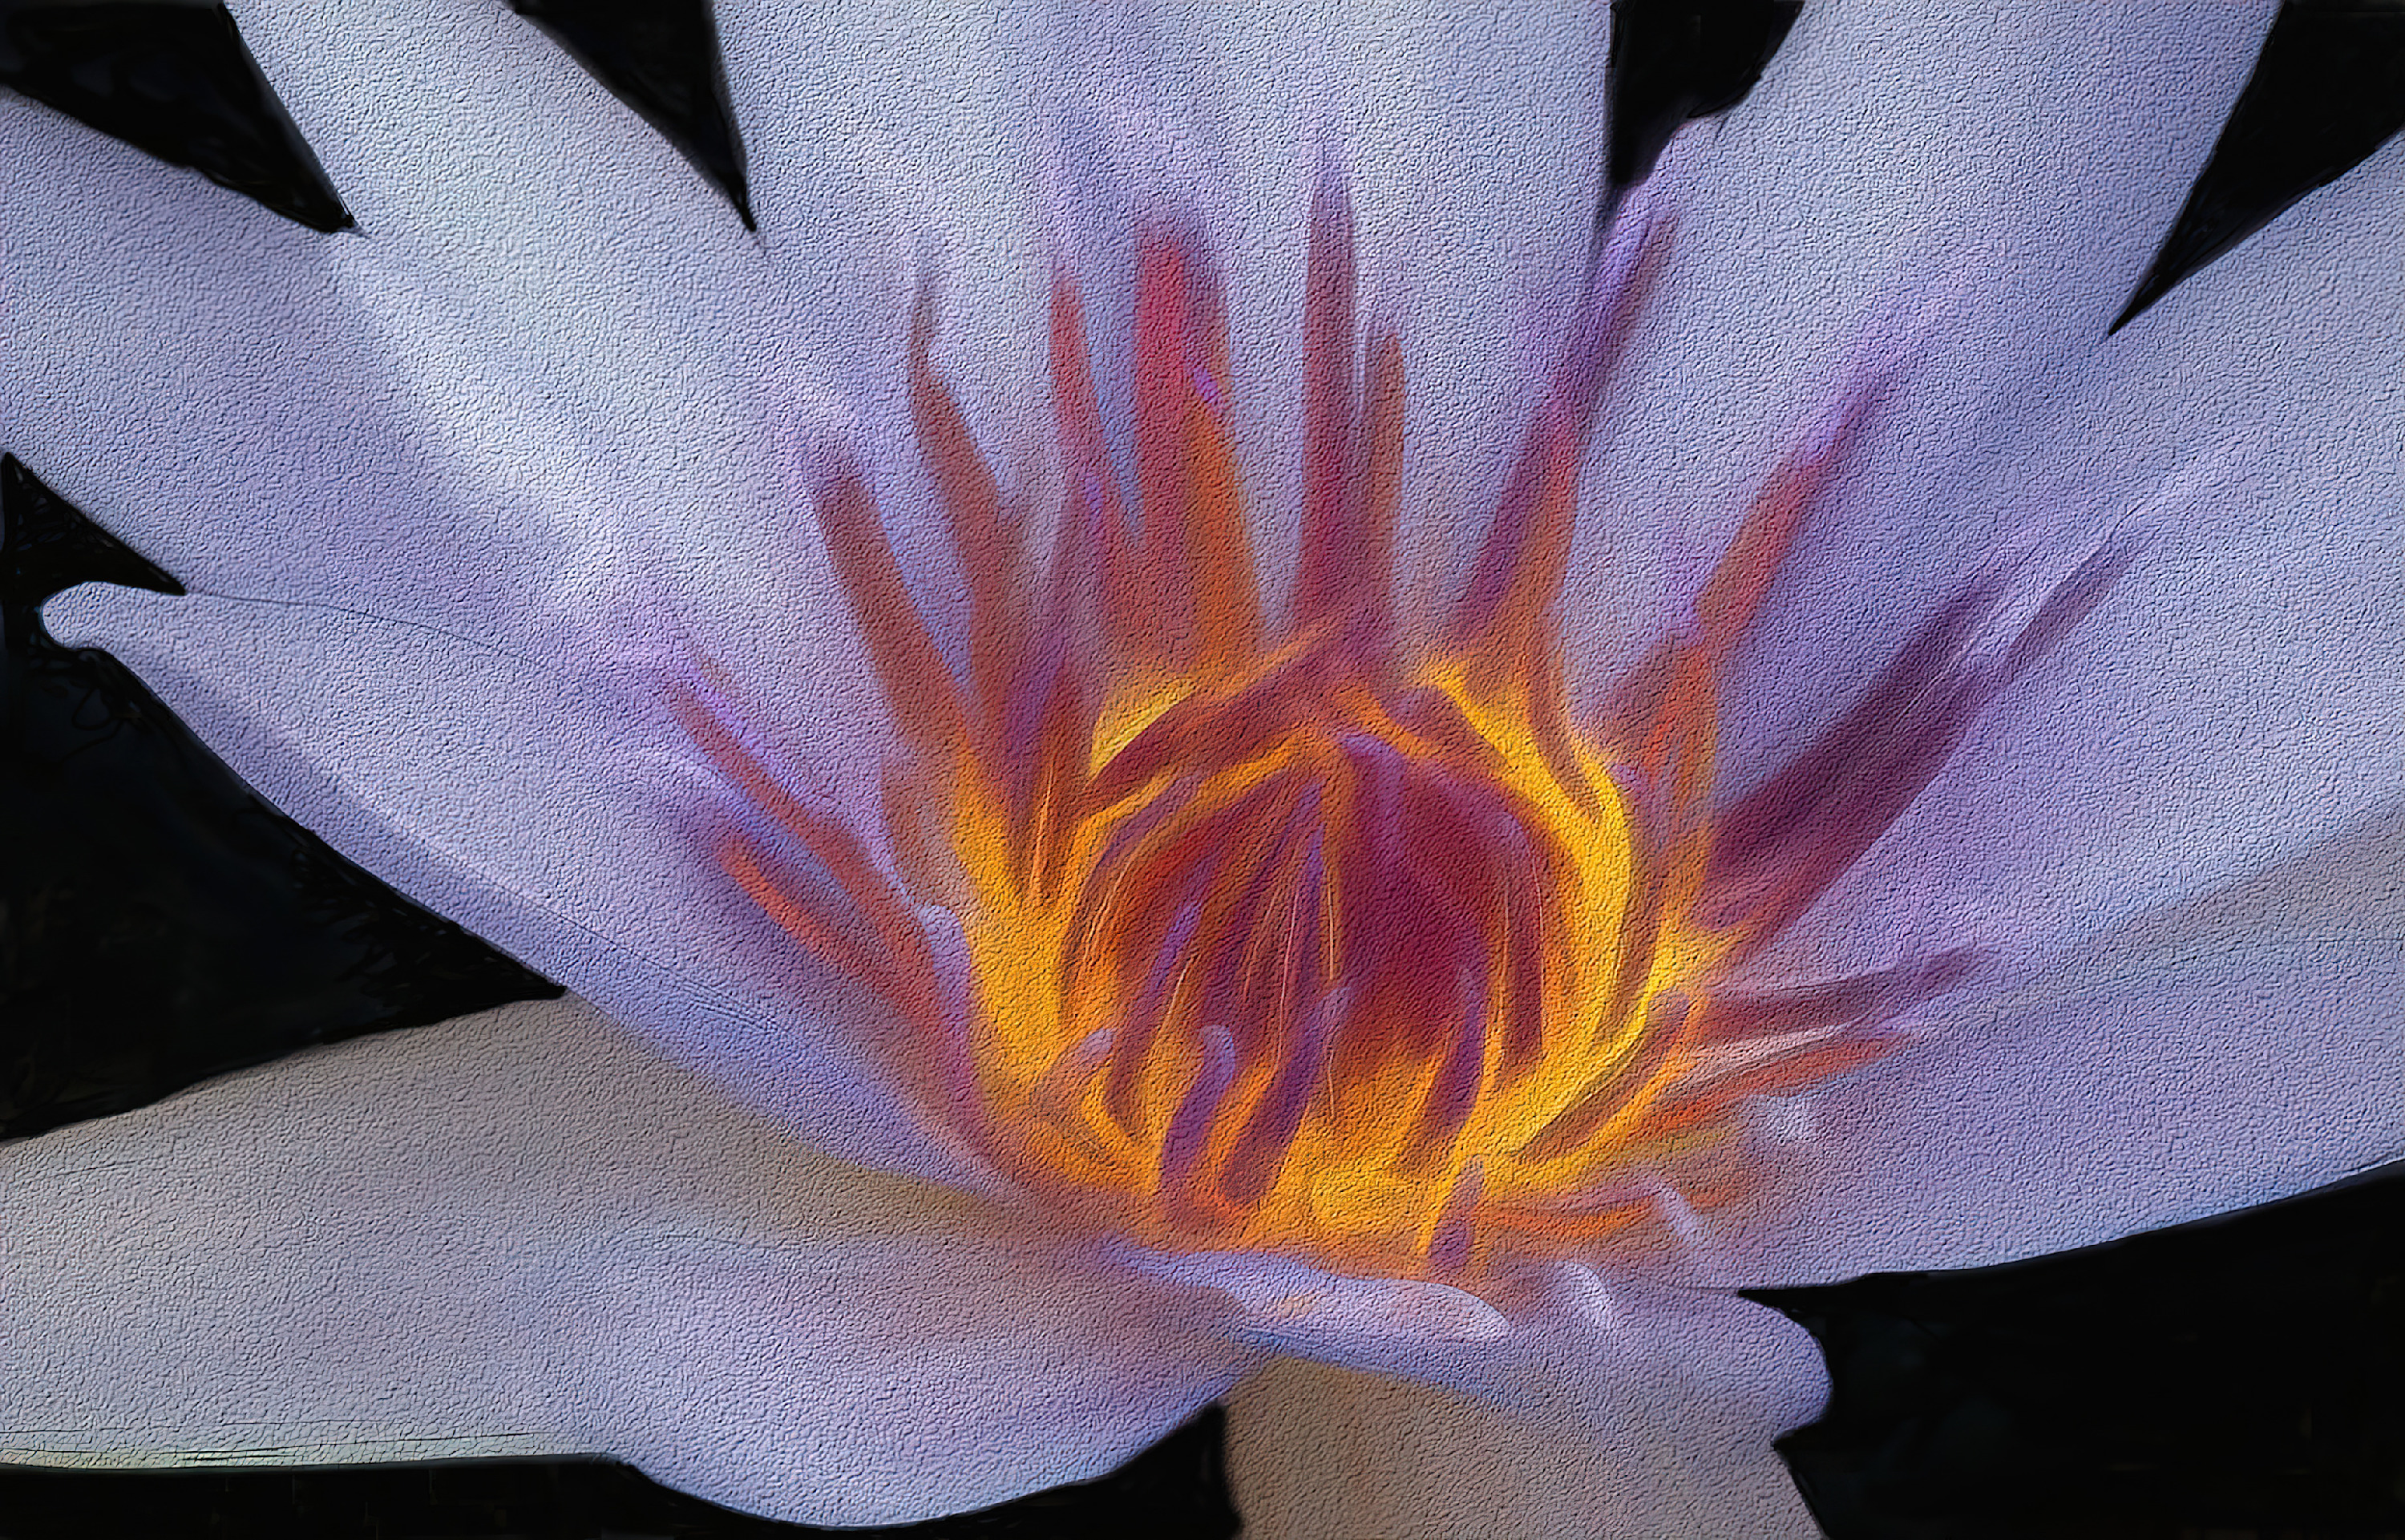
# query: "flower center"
(1340, 936)
(1322, 957)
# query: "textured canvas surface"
(1339, 711)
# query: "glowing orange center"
(1323, 960)
(1344, 937)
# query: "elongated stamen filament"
(1342, 937)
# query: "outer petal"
(1587, 1406)
(2152, 827)
(2229, 1051)
(2009, 166)
(541, 377)
(2238, 695)
(519, 1233)
(514, 425)
(537, 812)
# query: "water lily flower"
(1178, 740)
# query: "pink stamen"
(1183, 1142)
(1451, 1238)
(1452, 1093)
(1260, 1151)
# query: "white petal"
(1405, 1326)
(962, 1366)
(462, 364)
(546, 815)
(519, 1233)
(1610, 1409)
(527, 412)
(2232, 1051)
(2005, 175)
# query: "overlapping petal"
(1565, 1401)
(1983, 178)
(2237, 1047)
(520, 1234)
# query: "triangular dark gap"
(661, 58)
(2327, 90)
(173, 80)
(1673, 61)
(47, 545)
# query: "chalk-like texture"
(413, 477)
(520, 1233)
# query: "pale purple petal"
(547, 815)
(537, 424)
(439, 418)
(2012, 167)
(2236, 696)
(520, 1233)
(2229, 1051)
(1973, 194)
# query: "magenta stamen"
(1188, 1136)
(1274, 955)
(1131, 847)
(1783, 843)
(1524, 974)
(1519, 566)
(1331, 536)
(1141, 1023)
(1032, 700)
(1377, 768)
(1782, 846)
(1736, 1017)
(1063, 1082)
(1451, 1238)
(1832, 1051)
(1217, 728)
(1452, 1095)
(1260, 1152)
